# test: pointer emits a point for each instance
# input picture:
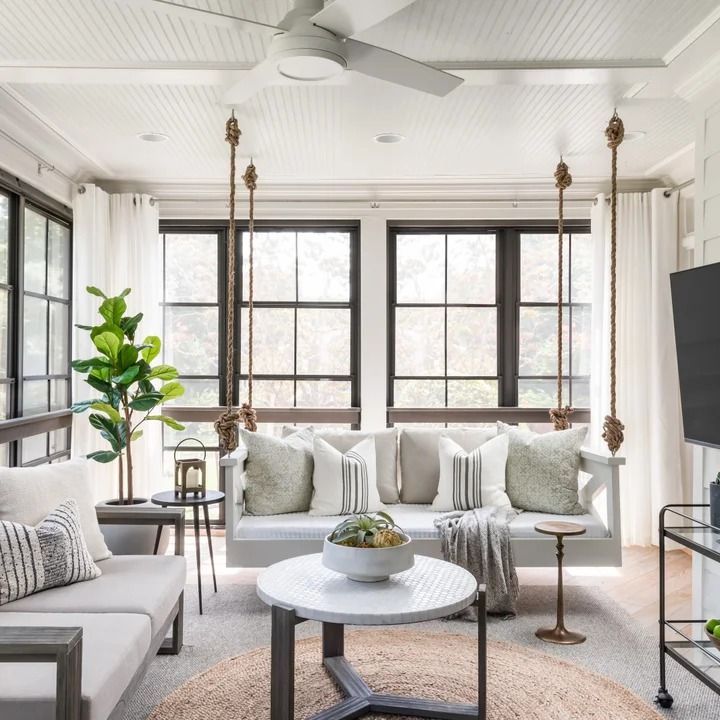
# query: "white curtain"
(116, 245)
(648, 395)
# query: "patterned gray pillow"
(542, 470)
(278, 473)
(50, 554)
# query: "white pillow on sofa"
(28, 495)
(344, 483)
(474, 479)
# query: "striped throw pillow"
(50, 554)
(471, 480)
(344, 483)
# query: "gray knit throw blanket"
(479, 541)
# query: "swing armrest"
(232, 468)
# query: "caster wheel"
(664, 699)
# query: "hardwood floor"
(634, 586)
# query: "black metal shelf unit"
(699, 657)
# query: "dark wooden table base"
(360, 700)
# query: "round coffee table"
(560, 634)
(302, 588)
(168, 498)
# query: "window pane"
(471, 341)
(471, 269)
(472, 393)
(58, 260)
(323, 266)
(582, 333)
(34, 447)
(58, 357)
(59, 441)
(35, 397)
(59, 394)
(4, 236)
(35, 337)
(4, 308)
(191, 339)
(581, 393)
(323, 342)
(541, 393)
(420, 266)
(419, 393)
(270, 393)
(582, 268)
(273, 341)
(200, 392)
(4, 396)
(538, 267)
(324, 393)
(419, 341)
(538, 341)
(191, 267)
(273, 266)
(35, 231)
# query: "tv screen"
(696, 312)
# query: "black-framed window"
(473, 317)
(35, 325)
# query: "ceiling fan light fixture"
(310, 65)
(153, 137)
(389, 138)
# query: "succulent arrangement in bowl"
(368, 548)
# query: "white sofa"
(258, 541)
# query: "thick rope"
(612, 427)
(226, 424)
(559, 415)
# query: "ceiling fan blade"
(253, 81)
(203, 15)
(398, 69)
(347, 17)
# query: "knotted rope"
(559, 415)
(612, 427)
(226, 424)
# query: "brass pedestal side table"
(560, 634)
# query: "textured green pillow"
(542, 469)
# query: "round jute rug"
(523, 684)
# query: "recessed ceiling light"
(634, 135)
(388, 138)
(153, 137)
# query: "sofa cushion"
(38, 558)
(419, 459)
(114, 647)
(27, 495)
(416, 520)
(385, 453)
(145, 584)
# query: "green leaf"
(108, 344)
(170, 422)
(83, 327)
(115, 443)
(96, 292)
(147, 401)
(153, 348)
(109, 410)
(128, 376)
(101, 385)
(85, 365)
(103, 456)
(129, 325)
(146, 387)
(172, 390)
(107, 327)
(83, 405)
(163, 372)
(136, 435)
(102, 422)
(127, 356)
(125, 292)
(113, 309)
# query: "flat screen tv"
(696, 311)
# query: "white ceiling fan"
(313, 43)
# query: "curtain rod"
(42, 163)
(678, 188)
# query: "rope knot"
(232, 131)
(559, 417)
(250, 177)
(226, 428)
(249, 417)
(613, 433)
(615, 131)
(563, 178)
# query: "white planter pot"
(368, 564)
(133, 539)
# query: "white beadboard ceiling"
(485, 129)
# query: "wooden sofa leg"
(173, 644)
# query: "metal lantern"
(190, 472)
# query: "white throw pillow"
(28, 495)
(472, 480)
(344, 483)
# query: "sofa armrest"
(129, 515)
(59, 645)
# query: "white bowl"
(368, 564)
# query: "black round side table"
(212, 497)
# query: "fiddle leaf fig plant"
(129, 387)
